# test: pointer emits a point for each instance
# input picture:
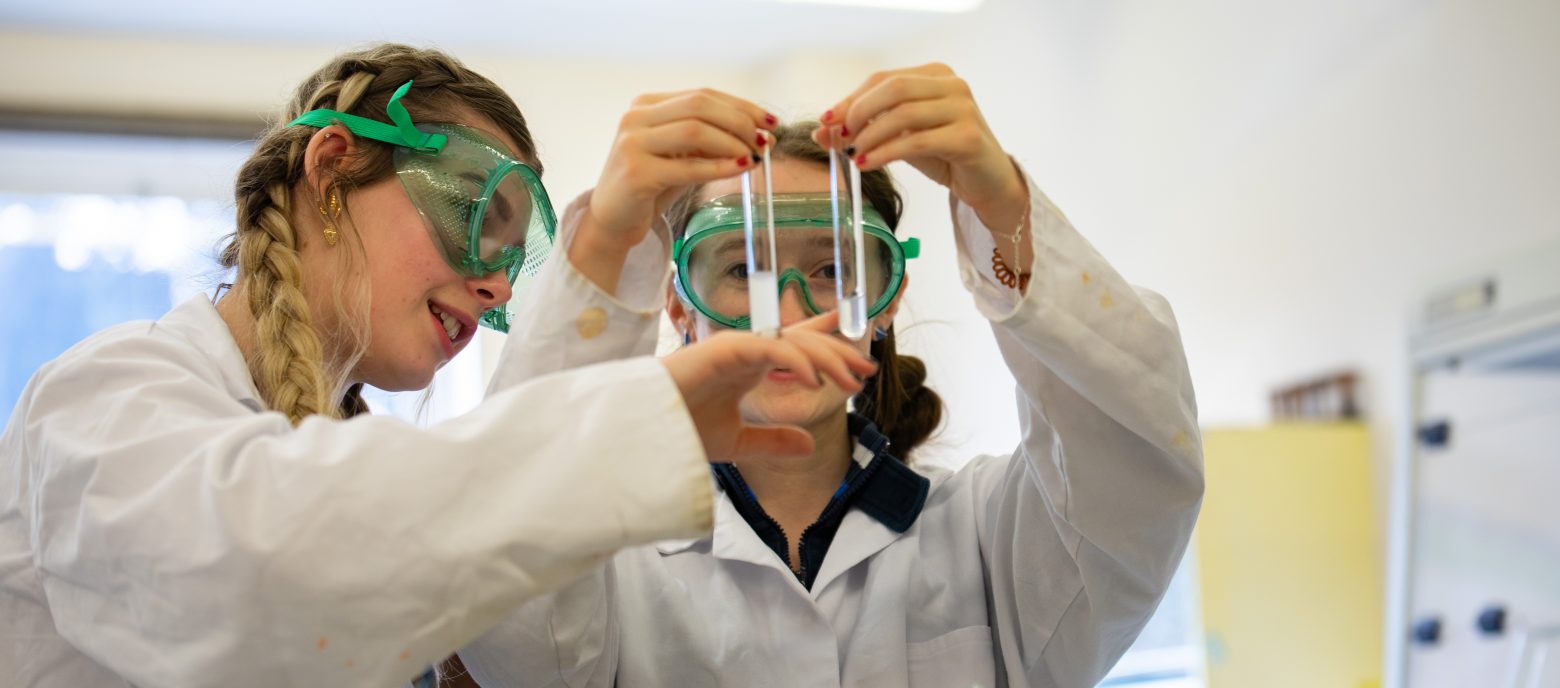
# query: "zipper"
(836, 504)
(841, 497)
(785, 552)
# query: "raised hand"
(927, 116)
(665, 142)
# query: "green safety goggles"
(486, 211)
(711, 257)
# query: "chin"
(796, 406)
(398, 380)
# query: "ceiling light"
(948, 6)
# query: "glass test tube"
(763, 285)
(850, 264)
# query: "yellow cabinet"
(1288, 555)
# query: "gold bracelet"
(1009, 277)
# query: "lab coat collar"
(891, 492)
(886, 505)
(197, 321)
(728, 540)
(859, 537)
(733, 540)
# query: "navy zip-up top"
(877, 483)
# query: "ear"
(328, 149)
(885, 319)
(677, 311)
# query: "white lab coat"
(1038, 569)
(158, 528)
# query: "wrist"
(607, 233)
(1004, 207)
(597, 253)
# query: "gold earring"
(335, 212)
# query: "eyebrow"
(504, 211)
(733, 244)
(739, 244)
(815, 241)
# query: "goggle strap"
(428, 143)
(497, 320)
(403, 133)
(911, 248)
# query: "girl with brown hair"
(854, 566)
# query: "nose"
(491, 289)
(793, 309)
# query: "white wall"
(1290, 175)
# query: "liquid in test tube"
(763, 285)
(850, 264)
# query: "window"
(1169, 653)
(97, 230)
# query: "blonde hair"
(299, 370)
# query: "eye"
(737, 271)
(826, 270)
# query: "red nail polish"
(771, 120)
(861, 159)
(827, 116)
(760, 139)
(742, 161)
(844, 130)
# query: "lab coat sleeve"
(565, 639)
(1082, 530)
(569, 638)
(183, 539)
(566, 321)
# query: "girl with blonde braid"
(204, 500)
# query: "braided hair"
(299, 370)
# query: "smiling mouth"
(452, 325)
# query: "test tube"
(763, 285)
(850, 264)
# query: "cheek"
(402, 258)
(392, 230)
(403, 270)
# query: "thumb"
(771, 442)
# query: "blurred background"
(1351, 204)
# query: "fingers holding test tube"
(714, 374)
(665, 142)
(927, 116)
